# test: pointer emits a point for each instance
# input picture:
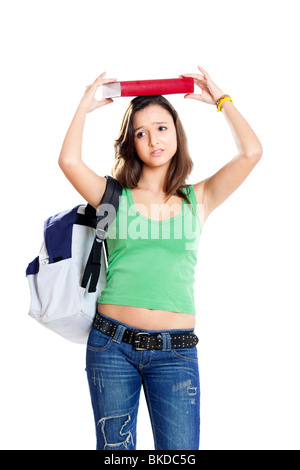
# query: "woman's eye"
(140, 134)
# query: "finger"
(105, 102)
(203, 71)
(198, 79)
(104, 81)
(193, 96)
(193, 75)
(109, 80)
(101, 76)
(99, 104)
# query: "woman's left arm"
(217, 188)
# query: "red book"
(168, 86)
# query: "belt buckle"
(137, 341)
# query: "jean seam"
(143, 366)
(188, 359)
(151, 413)
(105, 348)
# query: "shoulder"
(199, 191)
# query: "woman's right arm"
(90, 185)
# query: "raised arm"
(217, 188)
(90, 185)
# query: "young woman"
(143, 334)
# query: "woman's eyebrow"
(155, 122)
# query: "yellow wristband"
(223, 101)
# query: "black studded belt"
(141, 340)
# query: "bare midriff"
(148, 319)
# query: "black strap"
(106, 213)
(92, 269)
(89, 218)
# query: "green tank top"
(151, 264)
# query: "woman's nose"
(153, 138)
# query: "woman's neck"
(153, 179)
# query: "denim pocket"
(98, 341)
(186, 354)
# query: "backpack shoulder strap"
(106, 213)
(112, 192)
(107, 210)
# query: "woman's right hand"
(88, 101)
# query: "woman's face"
(154, 135)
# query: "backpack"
(69, 274)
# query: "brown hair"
(127, 166)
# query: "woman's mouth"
(157, 153)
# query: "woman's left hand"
(210, 91)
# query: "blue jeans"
(170, 378)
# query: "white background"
(248, 267)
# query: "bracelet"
(218, 101)
(222, 100)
